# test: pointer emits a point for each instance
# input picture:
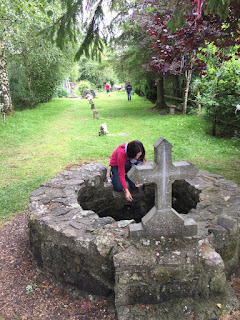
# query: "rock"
(88, 91)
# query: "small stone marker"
(103, 129)
(90, 100)
(95, 114)
(162, 219)
(237, 108)
(172, 108)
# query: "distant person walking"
(128, 89)
(107, 86)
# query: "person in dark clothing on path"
(128, 89)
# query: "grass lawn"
(38, 143)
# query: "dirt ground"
(26, 293)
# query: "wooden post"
(95, 114)
(199, 105)
(188, 74)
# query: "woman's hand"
(138, 185)
(128, 195)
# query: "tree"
(36, 68)
(183, 7)
(35, 65)
(131, 53)
(76, 18)
(176, 14)
(176, 51)
(219, 91)
(67, 25)
(14, 16)
(4, 82)
(97, 72)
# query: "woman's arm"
(128, 195)
(121, 170)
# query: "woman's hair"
(133, 148)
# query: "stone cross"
(162, 219)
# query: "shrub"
(83, 85)
(151, 94)
(60, 92)
(220, 93)
(34, 74)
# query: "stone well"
(79, 229)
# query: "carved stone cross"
(162, 219)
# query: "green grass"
(39, 143)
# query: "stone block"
(227, 222)
(136, 230)
(140, 280)
(172, 108)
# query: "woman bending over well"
(122, 159)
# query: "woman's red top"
(119, 158)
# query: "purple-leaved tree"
(176, 51)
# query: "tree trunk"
(199, 105)
(161, 104)
(4, 82)
(176, 87)
(188, 75)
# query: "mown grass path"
(39, 143)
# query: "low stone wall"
(150, 278)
